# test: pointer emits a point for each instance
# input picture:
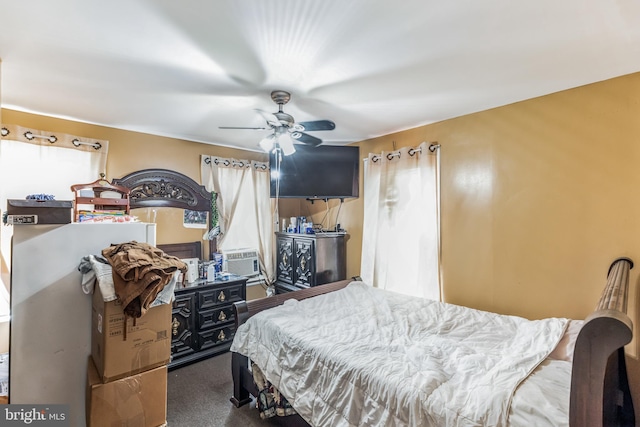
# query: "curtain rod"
(52, 138)
(29, 135)
(235, 163)
(412, 151)
(22, 134)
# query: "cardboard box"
(48, 211)
(146, 344)
(136, 401)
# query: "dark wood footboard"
(600, 393)
(243, 386)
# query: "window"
(244, 207)
(37, 162)
(400, 244)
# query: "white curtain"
(40, 162)
(400, 244)
(244, 207)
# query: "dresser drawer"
(284, 260)
(216, 316)
(304, 273)
(182, 323)
(211, 298)
(203, 322)
(183, 344)
(216, 336)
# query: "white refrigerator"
(50, 315)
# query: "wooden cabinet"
(202, 323)
(305, 260)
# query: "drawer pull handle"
(174, 326)
(221, 336)
(222, 316)
(221, 296)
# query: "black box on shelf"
(46, 211)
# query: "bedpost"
(599, 376)
(239, 364)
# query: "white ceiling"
(184, 68)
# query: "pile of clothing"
(138, 275)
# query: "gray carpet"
(198, 396)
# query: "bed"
(507, 370)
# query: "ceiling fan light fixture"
(286, 143)
(285, 127)
(267, 143)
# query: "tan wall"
(538, 198)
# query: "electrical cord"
(326, 213)
(337, 224)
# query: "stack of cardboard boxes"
(127, 370)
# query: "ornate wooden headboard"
(166, 188)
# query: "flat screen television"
(323, 172)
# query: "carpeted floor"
(198, 396)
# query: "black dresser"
(305, 260)
(202, 321)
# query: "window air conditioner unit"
(242, 262)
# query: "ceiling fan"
(285, 129)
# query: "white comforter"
(365, 357)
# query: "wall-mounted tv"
(323, 172)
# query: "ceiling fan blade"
(315, 125)
(271, 118)
(241, 127)
(305, 138)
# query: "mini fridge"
(50, 325)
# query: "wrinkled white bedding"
(542, 400)
(365, 357)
